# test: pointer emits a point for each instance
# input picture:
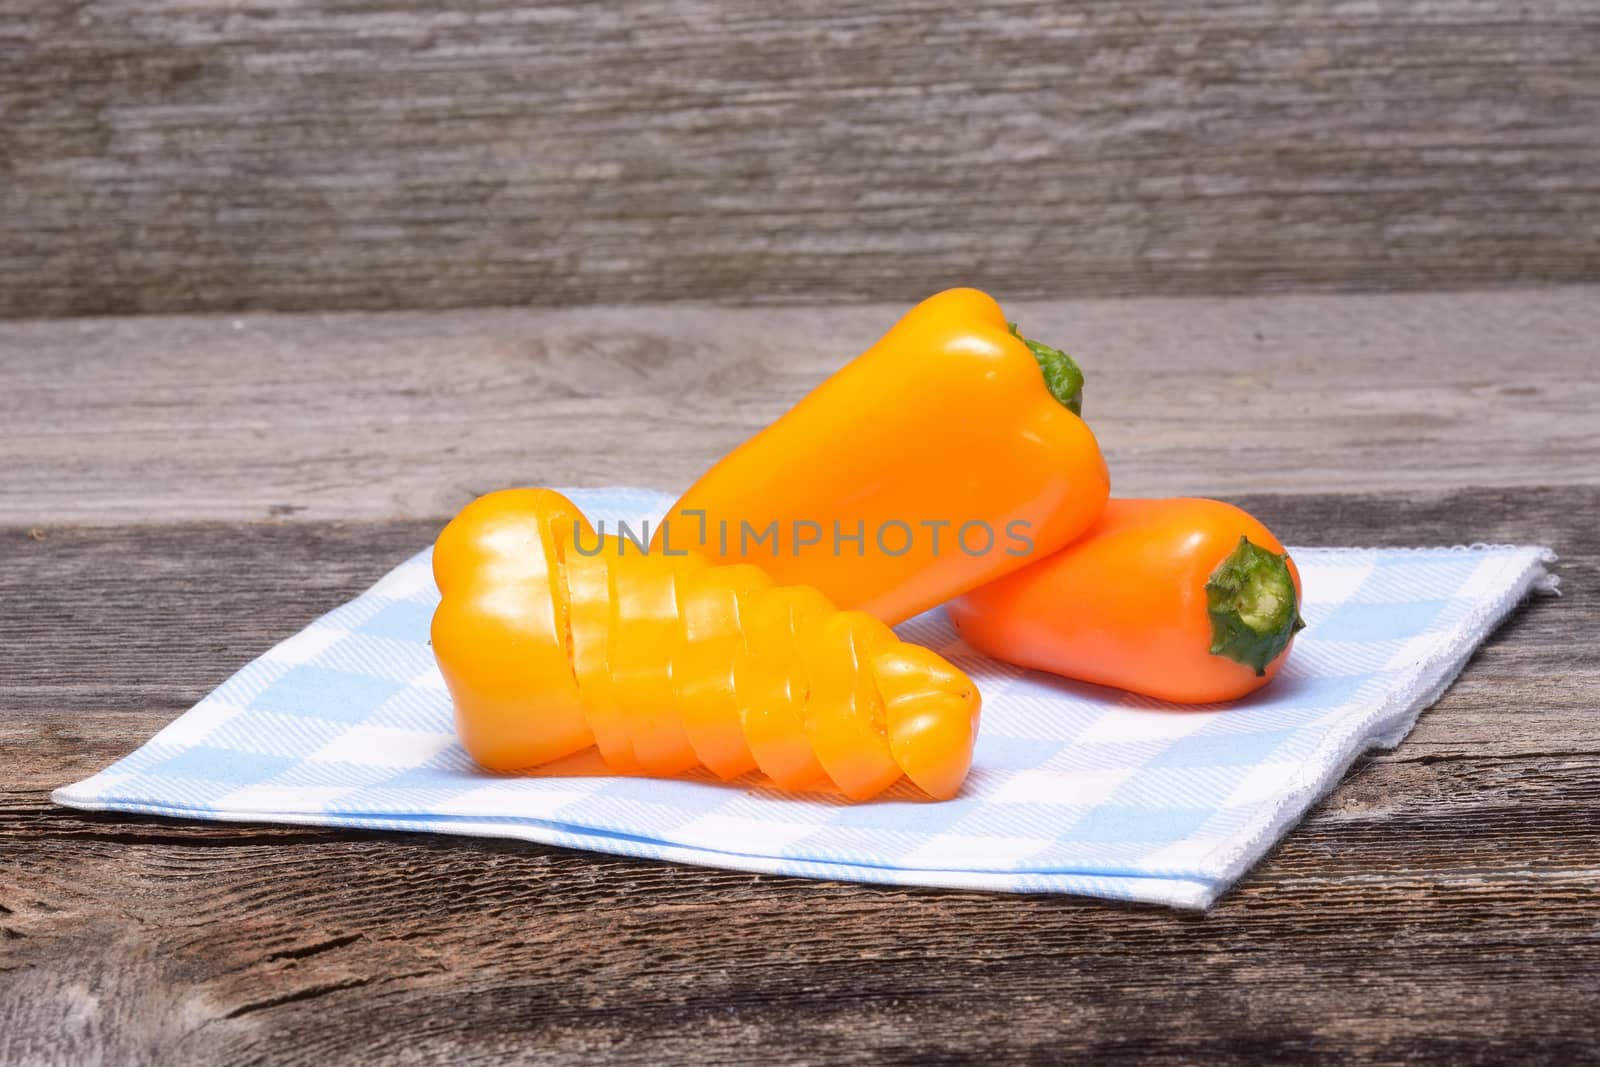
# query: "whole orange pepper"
(946, 455)
(552, 639)
(1186, 600)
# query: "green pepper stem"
(1062, 375)
(1253, 605)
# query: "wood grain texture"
(181, 155)
(1443, 904)
(411, 415)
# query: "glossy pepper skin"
(946, 429)
(1185, 600)
(552, 639)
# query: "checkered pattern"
(1074, 789)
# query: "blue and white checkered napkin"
(1074, 789)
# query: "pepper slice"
(589, 620)
(643, 633)
(931, 712)
(503, 627)
(845, 718)
(713, 609)
(770, 681)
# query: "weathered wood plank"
(1442, 904)
(346, 946)
(188, 155)
(364, 416)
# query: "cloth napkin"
(1073, 789)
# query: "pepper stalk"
(1253, 605)
(1062, 375)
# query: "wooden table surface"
(211, 155)
(179, 493)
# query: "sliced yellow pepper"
(552, 639)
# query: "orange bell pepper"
(1185, 600)
(552, 639)
(946, 455)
